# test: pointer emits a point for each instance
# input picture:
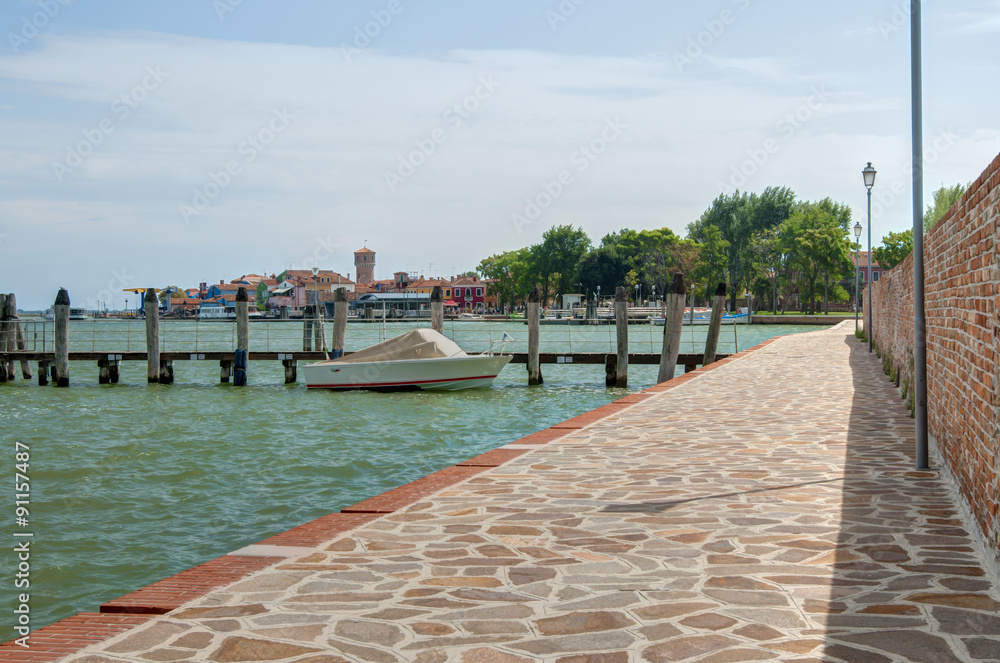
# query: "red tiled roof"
(364, 250)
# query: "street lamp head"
(869, 175)
(315, 271)
(857, 229)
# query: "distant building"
(426, 286)
(862, 264)
(469, 293)
(364, 265)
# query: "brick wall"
(962, 304)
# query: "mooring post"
(12, 324)
(672, 327)
(5, 374)
(43, 372)
(712, 342)
(339, 323)
(225, 370)
(307, 329)
(610, 370)
(291, 370)
(152, 309)
(319, 331)
(114, 370)
(533, 314)
(103, 371)
(242, 337)
(437, 309)
(621, 325)
(20, 340)
(60, 311)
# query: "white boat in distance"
(418, 359)
(703, 316)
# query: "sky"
(170, 143)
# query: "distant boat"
(421, 359)
(74, 314)
(215, 313)
(703, 316)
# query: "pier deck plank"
(764, 508)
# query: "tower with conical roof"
(364, 265)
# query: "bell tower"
(364, 265)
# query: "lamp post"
(638, 294)
(869, 175)
(857, 274)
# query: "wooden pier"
(54, 359)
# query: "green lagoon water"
(131, 483)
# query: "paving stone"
(431, 628)
(609, 657)
(984, 649)
(374, 633)
(852, 655)
(680, 649)
(582, 622)
(487, 627)
(709, 621)
(668, 611)
(660, 631)
(914, 646)
(363, 653)
(972, 601)
(193, 641)
(237, 648)
(166, 655)
(966, 622)
(221, 611)
(485, 655)
(570, 644)
(737, 655)
(146, 638)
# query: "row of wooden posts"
(234, 365)
(674, 306)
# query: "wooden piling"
(60, 311)
(307, 315)
(225, 370)
(712, 342)
(533, 315)
(43, 372)
(621, 326)
(339, 320)
(103, 371)
(437, 309)
(20, 340)
(291, 370)
(242, 319)
(152, 310)
(5, 373)
(610, 370)
(114, 370)
(672, 327)
(319, 328)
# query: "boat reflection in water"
(418, 359)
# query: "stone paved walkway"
(763, 510)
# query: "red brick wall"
(962, 305)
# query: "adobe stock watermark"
(121, 108)
(118, 282)
(562, 12)
(885, 197)
(898, 19)
(714, 29)
(31, 26)
(325, 248)
(249, 148)
(454, 117)
(365, 35)
(224, 7)
(580, 161)
(786, 127)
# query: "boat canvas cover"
(416, 344)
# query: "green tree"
(603, 267)
(895, 247)
(818, 248)
(556, 258)
(944, 198)
(510, 275)
(710, 269)
(738, 217)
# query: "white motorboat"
(418, 359)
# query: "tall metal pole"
(869, 325)
(919, 319)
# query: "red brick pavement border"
(411, 493)
(319, 531)
(171, 593)
(494, 458)
(70, 635)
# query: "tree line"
(784, 251)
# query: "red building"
(469, 293)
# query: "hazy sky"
(198, 140)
